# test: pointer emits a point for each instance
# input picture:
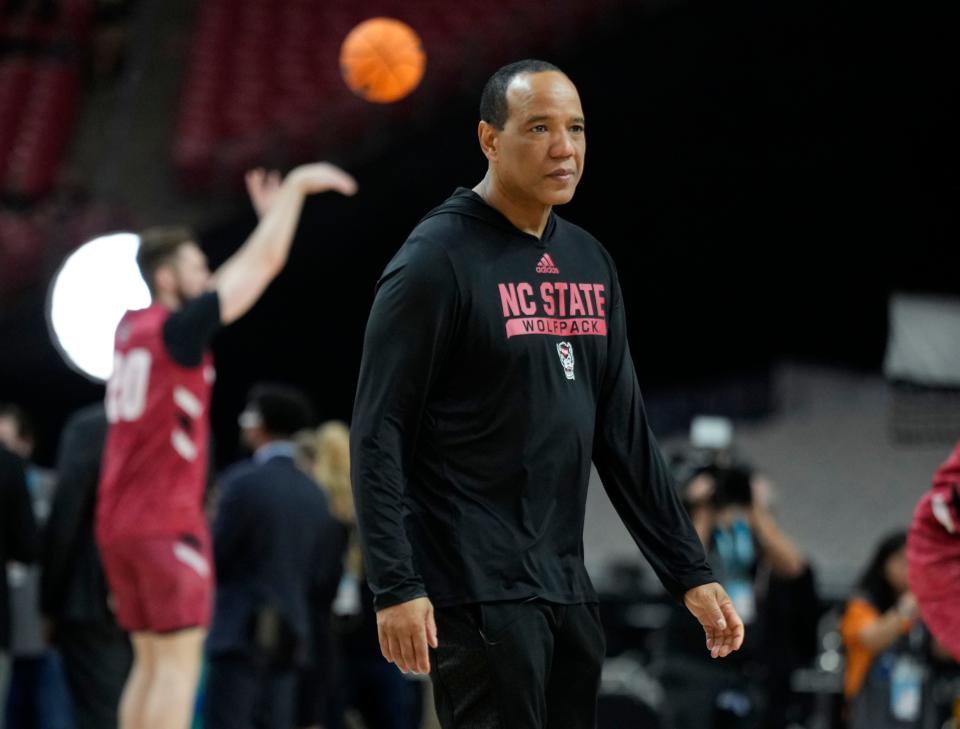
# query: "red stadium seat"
(264, 77)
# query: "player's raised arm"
(242, 279)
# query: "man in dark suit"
(18, 541)
(73, 591)
(278, 556)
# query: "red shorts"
(933, 559)
(160, 584)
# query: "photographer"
(771, 585)
(746, 543)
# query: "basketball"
(382, 60)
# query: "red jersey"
(933, 554)
(155, 462)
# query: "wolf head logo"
(565, 352)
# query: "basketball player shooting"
(150, 525)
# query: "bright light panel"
(93, 289)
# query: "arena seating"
(263, 81)
(40, 51)
(39, 91)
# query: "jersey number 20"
(127, 388)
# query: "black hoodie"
(495, 366)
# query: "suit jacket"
(72, 583)
(275, 546)
(19, 539)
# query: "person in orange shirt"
(879, 615)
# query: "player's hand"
(711, 605)
(262, 187)
(405, 631)
(322, 177)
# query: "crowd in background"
(893, 673)
(294, 635)
(303, 651)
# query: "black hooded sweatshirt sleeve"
(634, 473)
(495, 366)
(406, 340)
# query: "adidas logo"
(546, 265)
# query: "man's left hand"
(711, 605)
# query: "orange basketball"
(382, 60)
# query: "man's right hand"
(263, 186)
(322, 177)
(405, 631)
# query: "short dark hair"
(25, 429)
(493, 100)
(158, 246)
(284, 410)
(873, 584)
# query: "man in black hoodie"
(495, 367)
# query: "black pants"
(518, 665)
(241, 694)
(96, 658)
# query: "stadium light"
(96, 284)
